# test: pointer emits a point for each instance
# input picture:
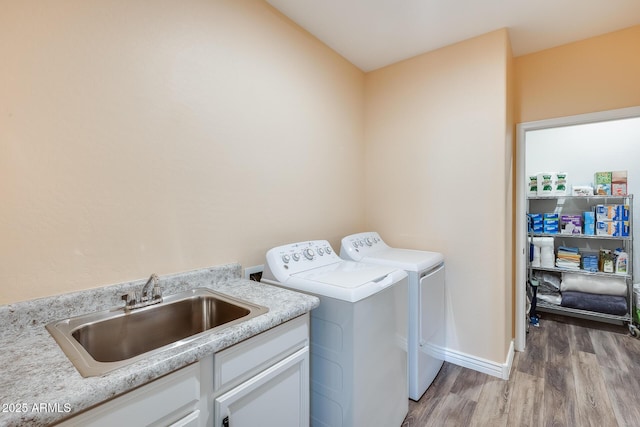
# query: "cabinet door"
(278, 396)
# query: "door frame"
(521, 200)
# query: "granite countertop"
(39, 385)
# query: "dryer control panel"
(296, 257)
(357, 246)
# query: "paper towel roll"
(545, 184)
(560, 184)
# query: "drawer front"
(243, 360)
(160, 402)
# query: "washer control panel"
(296, 257)
(356, 246)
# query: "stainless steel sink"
(100, 342)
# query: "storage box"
(612, 228)
(602, 183)
(571, 224)
(582, 190)
(612, 212)
(590, 262)
(619, 183)
(551, 223)
(589, 223)
(535, 223)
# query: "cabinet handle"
(225, 422)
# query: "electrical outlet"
(254, 273)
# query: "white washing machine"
(426, 332)
(358, 362)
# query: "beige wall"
(438, 170)
(138, 138)
(596, 74)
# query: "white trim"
(521, 226)
(500, 370)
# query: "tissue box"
(612, 212)
(619, 183)
(589, 223)
(602, 183)
(571, 224)
(612, 228)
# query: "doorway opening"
(531, 131)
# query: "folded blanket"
(609, 304)
(594, 284)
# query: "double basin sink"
(99, 342)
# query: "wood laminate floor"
(573, 373)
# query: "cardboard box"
(571, 224)
(612, 228)
(589, 223)
(590, 262)
(602, 183)
(612, 212)
(619, 183)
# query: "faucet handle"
(157, 292)
(129, 298)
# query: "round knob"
(286, 258)
(308, 253)
(360, 243)
(355, 245)
(368, 241)
(296, 256)
(327, 250)
(320, 251)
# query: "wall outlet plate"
(254, 273)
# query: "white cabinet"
(264, 381)
(275, 397)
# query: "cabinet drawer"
(160, 402)
(243, 360)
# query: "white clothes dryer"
(358, 362)
(426, 302)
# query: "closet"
(579, 146)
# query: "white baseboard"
(500, 370)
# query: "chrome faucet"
(144, 297)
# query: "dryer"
(426, 302)
(358, 362)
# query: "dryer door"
(432, 308)
(432, 328)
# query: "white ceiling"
(375, 33)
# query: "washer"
(358, 362)
(426, 331)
